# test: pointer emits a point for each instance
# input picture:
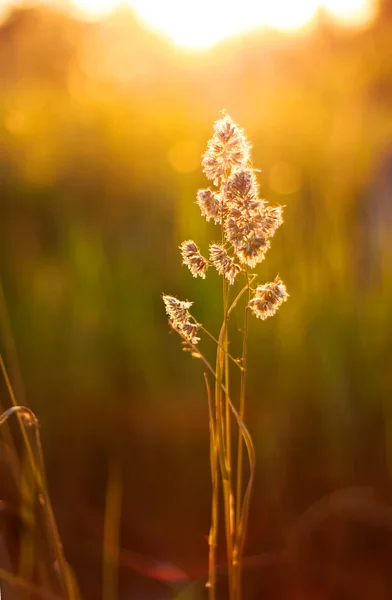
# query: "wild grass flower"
(250, 222)
(211, 206)
(252, 250)
(192, 258)
(242, 190)
(272, 218)
(268, 298)
(189, 331)
(178, 312)
(223, 263)
(247, 224)
(228, 149)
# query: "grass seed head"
(242, 189)
(252, 251)
(177, 310)
(192, 258)
(189, 331)
(268, 298)
(211, 205)
(272, 218)
(180, 319)
(223, 263)
(228, 149)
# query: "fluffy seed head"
(252, 251)
(192, 258)
(211, 205)
(249, 222)
(177, 310)
(234, 233)
(223, 263)
(189, 331)
(268, 298)
(242, 190)
(227, 149)
(272, 218)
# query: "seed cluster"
(247, 224)
(228, 149)
(178, 313)
(223, 263)
(192, 258)
(211, 205)
(268, 298)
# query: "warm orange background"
(102, 126)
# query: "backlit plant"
(247, 224)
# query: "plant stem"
(240, 294)
(238, 565)
(66, 579)
(227, 399)
(220, 429)
(236, 361)
(213, 537)
(222, 370)
(31, 589)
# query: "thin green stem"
(66, 579)
(240, 294)
(223, 360)
(213, 537)
(219, 388)
(246, 500)
(18, 410)
(242, 410)
(238, 527)
(227, 396)
(236, 361)
(32, 590)
(72, 587)
(252, 466)
(195, 350)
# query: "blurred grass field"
(102, 126)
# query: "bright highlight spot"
(96, 9)
(202, 23)
(205, 22)
(353, 11)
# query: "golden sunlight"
(202, 23)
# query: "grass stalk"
(213, 536)
(220, 429)
(227, 401)
(246, 224)
(33, 590)
(27, 510)
(111, 532)
(239, 486)
(66, 579)
(236, 361)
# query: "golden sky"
(202, 23)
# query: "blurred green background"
(102, 127)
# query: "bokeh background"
(102, 127)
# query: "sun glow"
(202, 23)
